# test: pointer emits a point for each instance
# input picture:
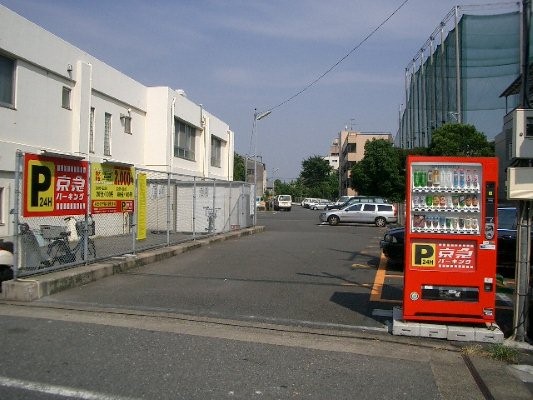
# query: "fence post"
(169, 210)
(230, 207)
(214, 217)
(133, 216)
(242, 220)
(194, 208)
(16, 214)
(87, 215)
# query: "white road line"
(55, 390)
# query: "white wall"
(45, 64)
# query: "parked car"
(393, 241)
(380, 214)
(283, 202)
(355, 199)
(341, 200)
(308, 200)
(319, 204)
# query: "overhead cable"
(339, 61)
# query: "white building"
(57, 98)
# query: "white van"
(283, 202)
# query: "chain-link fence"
(169, 209)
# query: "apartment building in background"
(333, 155)
(56, 98)
(351, 150)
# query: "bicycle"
(59, 248)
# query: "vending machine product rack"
(450, 204)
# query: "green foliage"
(296, 189)
(460, 140)
(498, 352)
(319, 178)
(501, 352)
(239, 170)
(381, 172)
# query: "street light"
(257, 117)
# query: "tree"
(381, 172)
(318, 177)
(459, 140)
(239, 170)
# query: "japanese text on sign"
(54, 186)
(112, 188)
(444, 255)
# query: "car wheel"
(381, 222)
(333, 220)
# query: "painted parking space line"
(57, 391)
(377, 288)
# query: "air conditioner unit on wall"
(518, 126)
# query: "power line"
(339, 61)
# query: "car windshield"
(284, 198)
(507, 218)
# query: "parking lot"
(298, 272)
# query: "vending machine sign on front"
(450, 239)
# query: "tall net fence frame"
(460, 73)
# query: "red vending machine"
(450, 239)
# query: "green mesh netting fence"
(487, 62)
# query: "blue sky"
(232, 56)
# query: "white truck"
(283, 202)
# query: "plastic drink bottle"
(455, 178)
(429, 180)
(462, 178)
(436, 177)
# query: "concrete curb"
(36, 287)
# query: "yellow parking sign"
(423, 255)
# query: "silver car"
(380, 214)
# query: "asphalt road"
(288, 313)
(297, 272)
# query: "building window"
(91, 131)
(107, 135)
(216, 152)
(7, 82)
(184, 140)
(126, 121)
(65, 98)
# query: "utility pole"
(522, 268)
